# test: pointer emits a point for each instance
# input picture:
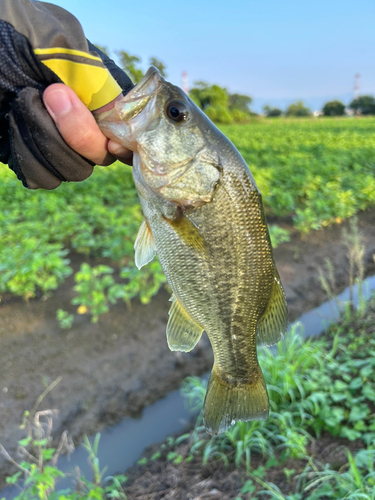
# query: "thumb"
(76, 124)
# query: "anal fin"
(273, 324)
(183, 333)
(144, 245)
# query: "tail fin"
(225, 404)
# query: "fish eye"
(177, 111)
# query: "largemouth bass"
(204, 217)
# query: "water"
(123, 444)
(317, 320)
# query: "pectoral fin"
(144, 245)
(182, 332)
(272, 325)
(187, 232)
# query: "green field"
(317, 171)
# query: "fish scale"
(241, 319)
(204, 218)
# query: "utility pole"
(185, 86)
(356, 85)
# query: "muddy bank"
(118, 366)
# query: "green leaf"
(356, 383)
(339, 386)
(369, 392)
(366, 371)
(248, 487)
(155, 456)
(350, 434)
(25, 442)
(272, 462)
(358, 412)
(336, 397)
(178, 459)
(13, 479)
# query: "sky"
(274, 51)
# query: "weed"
(353, 240)
(38, 466)
(64, 319)
(278, 235)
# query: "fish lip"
(148, 85)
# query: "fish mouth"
(137, 99)
(149, 84)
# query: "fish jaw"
(129, 116)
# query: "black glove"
(29, 140)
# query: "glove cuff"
(84, 73)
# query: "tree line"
(362, 105)
(223, 107)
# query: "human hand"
(46, 149)
(79, 129)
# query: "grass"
(38, 473)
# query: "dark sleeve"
(41, 44)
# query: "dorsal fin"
(273, 324)
(183, 333)
(144, 245)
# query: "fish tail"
(225, 403)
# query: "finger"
(123, 154)
(76, 124)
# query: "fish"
(204, 218)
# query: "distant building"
(317, 113)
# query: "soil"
(118, 366)
(164, 480)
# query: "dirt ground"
(164, 480)
(122, 364)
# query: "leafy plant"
(39, 465)
(64, 319)
(96, 289)
(355, 480)
(278, 235)
(318, 172)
